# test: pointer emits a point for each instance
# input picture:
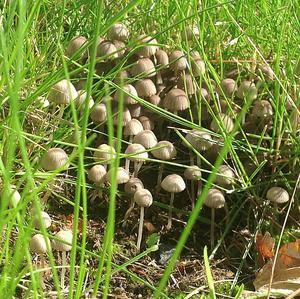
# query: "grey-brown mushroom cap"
(54, 159)
(200, 140)
(99, 113)
(137, 152)
(122, 175)
(105, 153)
(75, 44)
(133, 185)
(46, 219)
(247, 89)
(13, 195)
(62, 93)
(176, 100)
(63, 236)
(214, 199)
(146, 138)
(192, 173)
(173, 183)
(143, 198)
(227, 122)
(164, 150)
(38, 243)
(81, 99)
(149, 46)
(144, 67)
(145, 88)
(262, 109)
(126, 117)
(162, 57)
(133, 128)
(186, 82)
(128, 99)
(229, 87)
(278, 195)
(224, 176)
(107, 50)
(97, 174)
(118, 31)
(178, 61)
(147, 122)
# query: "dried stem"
(63, 270)
(169, 225)
(212, 229)
(140, 233)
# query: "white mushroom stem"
(43, 263)
(212, 229)
(127, 165)
(169, 225)
(140, 233)
(137, 167)
(193, 194)
(63, 270)
(159, 79)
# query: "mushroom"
(225, 122)
(197, 64)
(143, 198)
(136, 110)
(55, 158)
(128, 100)
(172, 183)
(146, 138)
(149, 46)
(62, 93)
(63, 244)
(193, 173)
(176, 100)
(107, 50)
(229, 87)
(42, 220)
(214, 200)
(121, 177)
(105, 154)
(144, 67)
(13, 196)
(154, 100)
(186, 82)
(126, 117)
(75, 45)
(132, 128)
(267, 72)
(178, 61)
(190, 32)
(147, 122)
(38, 244)
(118, 31)
(82, 100)
(277, 195)
(137, 153)
(130, 188)
(224, 176)
(145, 88)
(99, 113)
(164, 150)
(247, 89)
(97, 175)
(162, 61)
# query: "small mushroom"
(126, 117)
(148, 46)
(63, 244)
(132, 128)
(143, 198)
(99, 113)
(107, 50)
(190, 32)
(145, 88)
(136, 110)
(146, 138)
(41, 220)
(198, 65)
(97, 175)
(82, 100)
(75, 45)
(13, 196)
(121, 177)
(214, 200)
(38, 244)
(147, 122)
(186, 82)
(137, 153)
(277, 195)
(144, 67)
(247, 89)
(176, 100)
(104, 154)
(128, 100)
(193, 173)
(118, 31)
(229, 87)
(172, 183)
(162, 61)
(224, 176)
(267, 72)
(225, 122)
(54, 159)
(178, 61)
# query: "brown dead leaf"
(265, 246)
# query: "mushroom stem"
(127, 165)
(159, 79)
(41, 256)
(193, 194)
(140, 233)
(169, 225)
(128, 212)
(159, 176)
(212, 229)
(63, 270)
(61, 112)
(137, 167)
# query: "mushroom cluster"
(159, 88)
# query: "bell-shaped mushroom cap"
(126, 117)
(45, 219)
(145, 88)
(118, 31)
(186, 82)
(247, 89)
(173, 183)
(13, 196)
(149, 46)
(133, 185)
(143, 198)
(192, 173)
(190, 32)
(137, 152)
(54, 159)
(121, 48)
(105, 153)
(162, 58)
(74, 45)
(81, 99)
(214, 199)
(178, 61)
(267, 72)
(122, 176)
(63, 92)
(154, 100)
(121, 77)
(63, 236)
(143, 67)
(227, 122)
(176, 100)
(228, 86)
(262, 109)
(147, 122)
(146, 138)
(38, 244)
(200, 140)
(225, 176)
(135, 110)
(128, 100)
(133, 127)
(97, 174)
(198, 66)
(99, 113)
(278, 195)
(164, 150)
(107, 50)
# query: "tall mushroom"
(214, 200)
(172, 183)
(122, 176)
(132, 128)
(97, 175)
(104, 154)
(225, 176)
(146, 138)
(137, 153)
(143, 198)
